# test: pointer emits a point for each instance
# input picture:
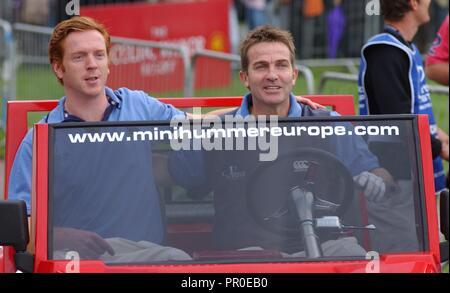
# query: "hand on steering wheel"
(373, 186)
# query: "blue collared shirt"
(295, 109)
(353, 152)
(87, 209)
(229, 175)
(127, 105)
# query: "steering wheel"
(269, 197)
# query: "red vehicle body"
(421, 262)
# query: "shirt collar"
(113, 100)
(295, 108)
(396, 33)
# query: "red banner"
(199, 25)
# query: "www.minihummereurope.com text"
(235, 134)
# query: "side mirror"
(14, 224)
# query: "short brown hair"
(394, 10)
(64, 28)
(263, 34)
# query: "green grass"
(37, 83)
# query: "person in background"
(437, 59)
(336, 21)
(255, 13)
(392, 77)
(281, 14)
(440, 12)
(312, 10)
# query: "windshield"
(235, 191)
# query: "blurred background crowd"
(321, 28)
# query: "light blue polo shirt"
(295, 108)
(125, 105)
(353, 151)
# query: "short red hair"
(64, 28)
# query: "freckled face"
(84, 69)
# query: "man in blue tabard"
(392, 78)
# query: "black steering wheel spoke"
(317, 171)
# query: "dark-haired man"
(392, 78)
